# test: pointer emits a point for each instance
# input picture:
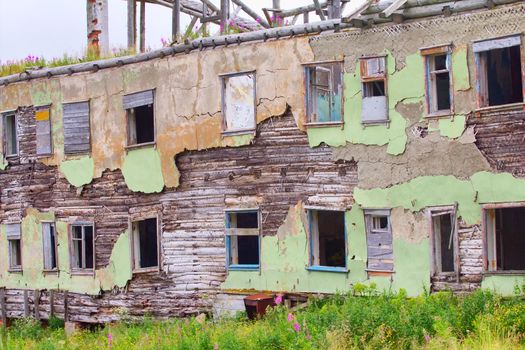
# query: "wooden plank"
(52, 303)
(225, 15)
(142, 98)
(319, 10)
(493, 44)
(26, 303)
(142, 24)
(132, 25)
(242, 232)
(66, 306)
(3, 308)
(175, 21)
(393, 7)
(37, 304)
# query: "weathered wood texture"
(500, 137)
(278, 168)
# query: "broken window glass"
(324, 92)
(14, 242)
(145, 243)
(141, 118)
(50, 245)
(328, 244)
(373, 78)
(44, 144)
(379, 240)
(444, 241)
(242, 238)
(82, 241)
(506, 239)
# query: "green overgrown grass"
(363, 319)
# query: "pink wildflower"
(278, 299)
(297, 327)
(290, 317)
(216, 346)
(427, 338)
(110, 340)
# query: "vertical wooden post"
(175, 21)
(132, 25)
(26, 303)
(37, 304)
(51, 303)
(97, 26)
(306, 17)
(66, 307)
(225, 15)
(142, 25)
(3, 307)
(276, 4)
(334, 9)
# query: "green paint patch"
(506, 285)
(460, 69)
(78, 172)
(3, 163)
(142, 170)
(452, 127)
(119, 270)
(238, 140)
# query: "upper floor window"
(145, 243)
(10, 134)
(374, 86)
(500, 76)
(438, 80)
(49, 239)
(324, 94)
(140, 117)
(379, 240)
(238, 102)
(82, 247)
(243, 239)
(44, 143)
(327, 239)
(77, 131)
(14, 246)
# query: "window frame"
(5, 115)
(76, 153)
(429, 54)
(14, 268)
(307, 67)
(229, 232)
(322, 268)
(369, 214)
(52, 224)
(77, 270)
(365, 79)
(431, 213)
(223, 79)
(133, 244)
(488, 268)
(128, 126)
(39, 109)
(481, 81)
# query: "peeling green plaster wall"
(504, 285)
(461, 76)
(116, 274)
(142, 170)
(452, 127)
(78, 172)
(284, 262)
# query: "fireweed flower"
(110, 340)
(278, 299)
(290, 317)
(297, 327)
(216, 346)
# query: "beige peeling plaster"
(187, 99)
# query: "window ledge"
(375, 122)
(503, 273)
(82, 272)
(146, 270)
(441, 114)
(510, 106)
(50, 272)
(238, 132)
(243, 267)
(324, 124)
(15, 270)
(328, 269)
(141, 145)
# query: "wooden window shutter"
(138, 99)
(43, 132)
(77, 133)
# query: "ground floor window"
(243, 239)
(327, 238)
(14, 245)
(82, 247)
(505, 238)
(379, 240)
(145, 244)
(444, 239)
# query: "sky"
(51, 28)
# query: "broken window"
(140, 116)
(50, 245)
(14, 246)
(10, 134)
(500, 79)
(379, 240)
(44, 145)
(373, 79)
(82, 247)
(505, 238)
(324, 93)
(242, 239)
(145, 244)
(238, 102)
(77, 134)
(438, 79)
(327, 238)
(444, 239)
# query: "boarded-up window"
(327, 238)
(145, 243)
(43, 131)
(14, 246)
(140, 115)
(50, 245)
(82, 247)
(379, 240)
(500, 76)
(438, 80)
(77, 134)
(373, 79)
(324, 92)
(10, 134)
(238, 102)
(242, 239)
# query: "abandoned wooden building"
(384, 148)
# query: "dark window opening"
(141, 127)
(15, 254)
(443, 91)
(374, 88)
(243, 237)
(324, 98)
(328, 238)
(438, 83)
(146, 245)
(444, 242)
(82, 237)
(510, 238)
(504, 76)
(50, 246)
(10, 135)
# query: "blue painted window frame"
(227, 224)
(322, 268)
(336, 104)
